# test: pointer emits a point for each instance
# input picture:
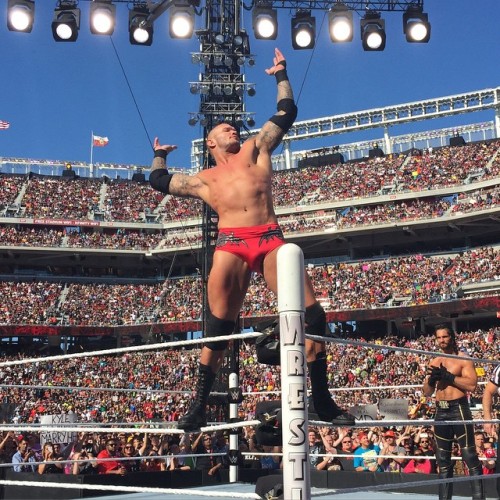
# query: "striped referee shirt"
(495, 376)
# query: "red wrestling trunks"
(250, 244)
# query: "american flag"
(4, 125)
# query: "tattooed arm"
(175, 184)
(278, 125)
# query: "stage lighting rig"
(66, 22)
(265, 22)
(340, 24)
(20, 15)
(181, 20)
(102, 17)
(139, 28)
(373, 31)
(416, 26)
(303, 30)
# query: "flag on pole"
(98, 141)
(4, 125)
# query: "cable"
(131, 93)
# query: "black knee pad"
(444, 462)
(315, 319)
(216, 327)
(469, 456)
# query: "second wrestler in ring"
(451, 379)
(238, 189)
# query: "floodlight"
(303, 30)
(340, 24)
(20, 15)
(373, 31)
(102, 18)
(265, 22)
(416, 25)
(181, 20)
(140, 31)
(66, 22)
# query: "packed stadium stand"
(394, 244)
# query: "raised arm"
(175, 184)
(278, 125)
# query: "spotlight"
(242, 42)
(20, 15)
(181, 20)
(416, 25)
(102, 18)
(140, 32)
(219, 39)
(373, 31)
(66, 22)
(340, 23)
(265, 22)
(194, 88)
(251, 90)
(303, 30)
(250, 122)
(227, 89)
(193, 119)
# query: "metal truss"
(360, 6)
(382, 118)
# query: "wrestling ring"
(295, 481)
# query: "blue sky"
(55, 94)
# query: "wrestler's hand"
(279, 62)
(434, 374)
(164, 147)
(446, 376)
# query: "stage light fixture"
(102, 18)
(250, 122)
(66, 22)
(303, 30)
(416, 26)
(181, 20)
(373, 31)
(265, 22)
(20, 15)
(340, 24)
(140, 32)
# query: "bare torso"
(446, 392)
(240, 190)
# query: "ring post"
(233, 435)
(291, 308)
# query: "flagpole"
(91, 153)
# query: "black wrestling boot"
(445, 489)
(196, 417)
(475, 467)
(322, 403)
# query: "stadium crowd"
(410, 280)
(156, 387)
(44, 197)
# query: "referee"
(490, 391)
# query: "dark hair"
(451, 333)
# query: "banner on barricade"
(364, 412)
(393, 409)
(58, 436)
